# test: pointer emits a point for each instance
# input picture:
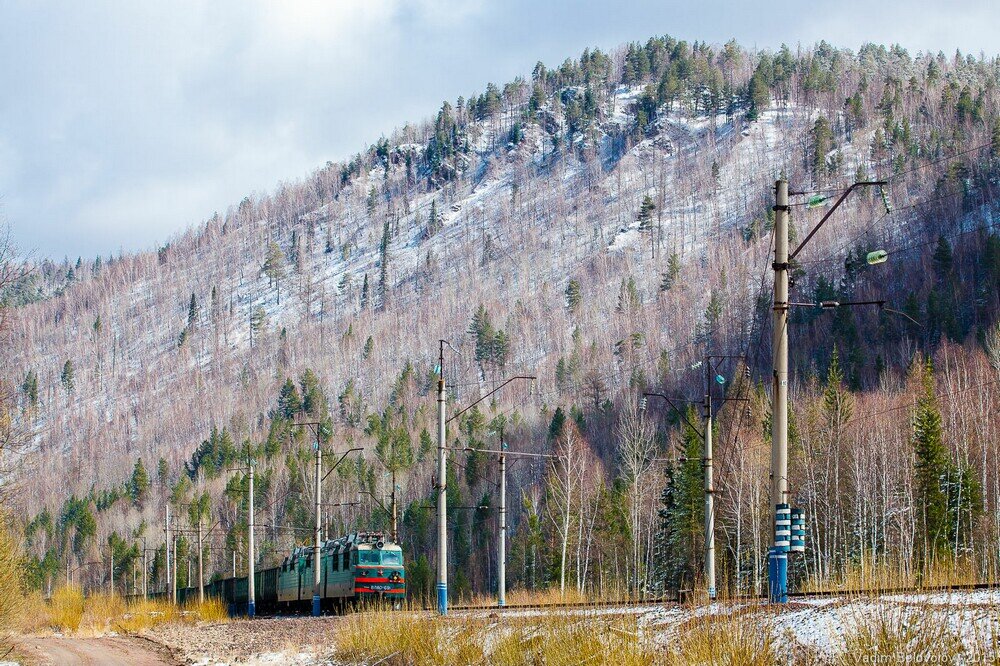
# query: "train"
(359, 567)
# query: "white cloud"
(121, 123)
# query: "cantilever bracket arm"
(847, 192)
(467, 408)
(680, 412)
(340, 460)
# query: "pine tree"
(139, 483)
(573, 295)
(30, 388)
(274, 267)
(646, 213)
(673, 272)
(930, 468)
(713, 312)
(433, 220)
(192, 311)
(289, 402)
(67, 376)
(822, 138)
(383, 275)
(364, 293)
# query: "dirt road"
(108, 651)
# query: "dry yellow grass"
(210, 610)
(919, 633)
(65, 609)
(735, 639)
(887, 576)
(398, 638)
(69, 611)
(567, 640)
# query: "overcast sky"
(124, 122)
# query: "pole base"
(442, 589)
(777, 576)
(251, 611)
(315, 605)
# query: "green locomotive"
(363, 566)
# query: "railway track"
(681, 598)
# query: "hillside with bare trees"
(602, 225)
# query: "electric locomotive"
(363, 566)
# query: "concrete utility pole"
(709, 486)
(442, 585)
(778, 557)
(502, 541)
(395, 524)
(173, 585)
(442, 500)
(201, 565)
(777, 564)
(251, 595)
(166, 547)
(318, 544)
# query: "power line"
(854, 239)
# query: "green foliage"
(76, 520)
(930, 467)
(138, 484)
(213, 455)
(672, 273)
(492, 345)
(68, 376)
(29, 387)
(681, 514)
(192, 311)
(822, 137)
(393, 445)
(289, 402)
(351, 405)
(629, 300)
(645, 216)
(573, 295)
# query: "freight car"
(363, 566)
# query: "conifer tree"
(289, 402)
(30, 388)
(672, 273)
(192, 311)
(383, 275)
(822, 137)
(930, 467)
(67, 376)
(139, 483)
(646, 213)
(274, 267)
(573, 295)
(364, 293)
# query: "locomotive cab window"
(392, 557)
(369, 557)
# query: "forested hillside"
(602, 225)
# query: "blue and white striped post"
(778, 556)
(797, 536)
